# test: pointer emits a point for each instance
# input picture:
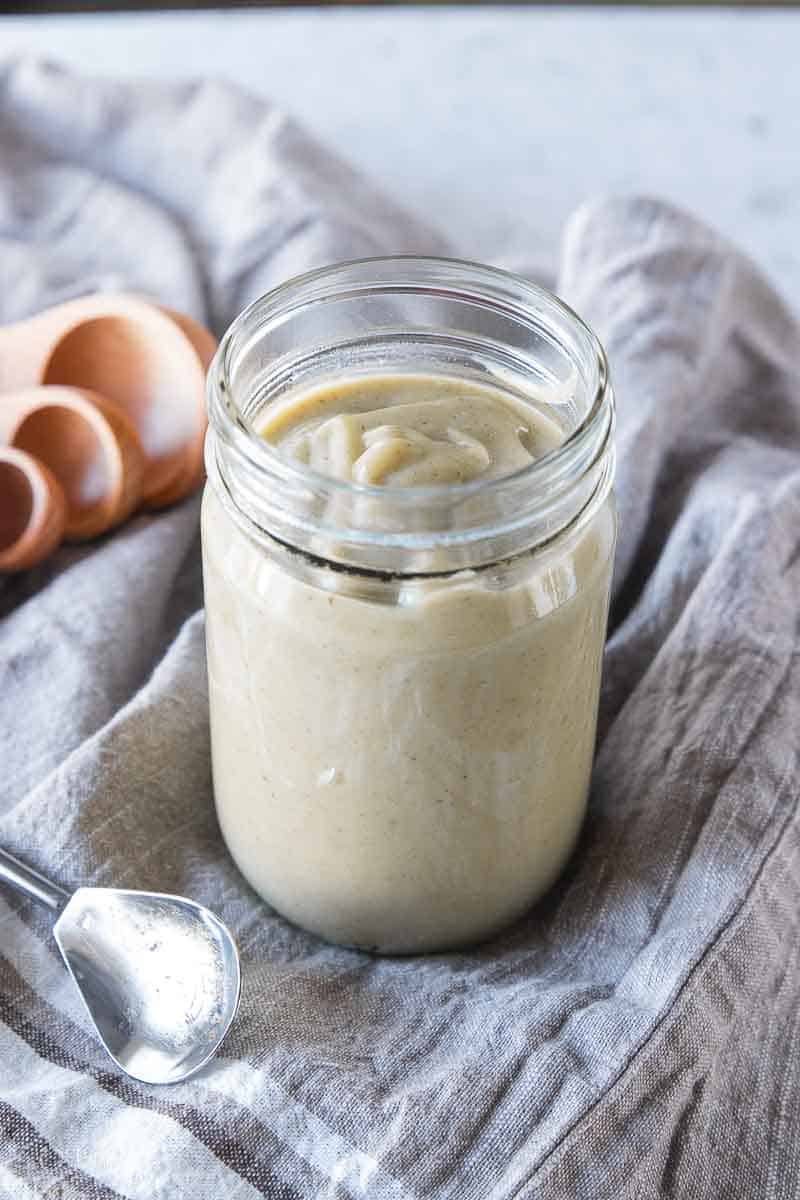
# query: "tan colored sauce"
(410, 431)
(404, 777)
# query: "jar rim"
(448, 278)
(219, 374)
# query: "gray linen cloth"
(638, 1035)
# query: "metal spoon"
(159, 975)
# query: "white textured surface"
(496, 123)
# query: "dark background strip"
(70, 6)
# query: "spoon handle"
(31, 883)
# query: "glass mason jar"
(404, 681)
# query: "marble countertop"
(496, 123)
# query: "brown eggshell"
(204, 342)
(33, 510)
(89, 444)
(149, 361)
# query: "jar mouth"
(514, 302)
(260, 450)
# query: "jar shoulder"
(467, 608)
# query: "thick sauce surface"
(410, 430)
(404, 776)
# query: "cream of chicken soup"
(402, 758)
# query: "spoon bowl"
(159, 974)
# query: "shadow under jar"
(404, 680)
